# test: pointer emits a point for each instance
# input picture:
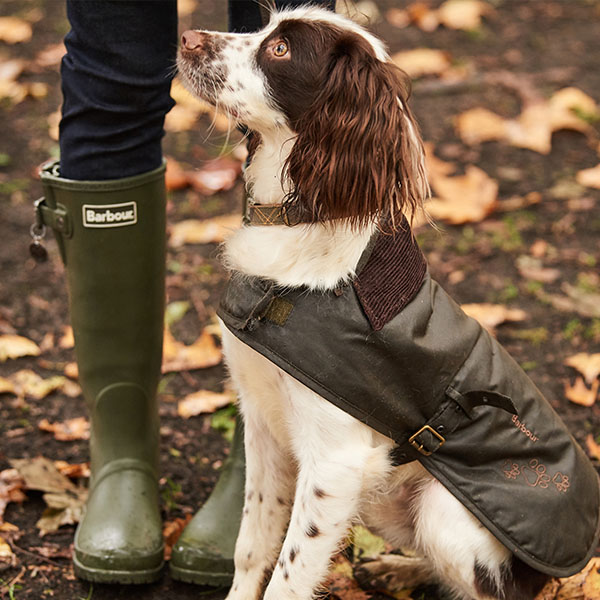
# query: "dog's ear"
(358, 154)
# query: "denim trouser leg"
(116, 78)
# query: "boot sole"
(113, 576)
(201, 577)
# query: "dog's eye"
(280, 49)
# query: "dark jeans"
(116, 78)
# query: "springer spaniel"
(319, 93)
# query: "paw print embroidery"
(511, 470)
(561, 482)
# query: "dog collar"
(264, 214)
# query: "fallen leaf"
(398, 17)
(201, 354)
(532, 268)
(366, 544)
(533, 128)
(201, 402)
(467, 198)
(587, 364)
(492, 315)
(207, 231)
(589, 177)
(175, 176)
(65, 500)
(341, 583)
(586, 303)
(16, 346)
(67, 340)
(53, 551)
(11, 489)
(28, 383)
(14, 30)
(50, 56)
(71, 370)
(592, 446)
(171, 532)
(6, 386)
(422, 61)
(462, 14)
(7, 556)
(73, 471)
(69, 430)
(423, 16)
(580, 394)
(11, 69)
(215, 176)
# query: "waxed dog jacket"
(396, 352)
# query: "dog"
(337, 148)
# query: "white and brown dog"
(336, 141)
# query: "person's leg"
(204, 552)
(106, 203)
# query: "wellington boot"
(204, 552)
(111, 236)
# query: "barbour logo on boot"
(109, 215)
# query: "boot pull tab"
(38, 233)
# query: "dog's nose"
(192, 40)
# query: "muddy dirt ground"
(555, 42)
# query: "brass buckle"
(415, 444)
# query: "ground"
(555, 43)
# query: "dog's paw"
(393, 572)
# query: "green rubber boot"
(111, 235)
(204, 552)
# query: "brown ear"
(358, 154)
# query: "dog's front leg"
(269, 489)
(334, 453)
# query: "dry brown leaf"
(462, 14)
(587, 364)
(436, 167)
(175, 176)
(50, 56)
(14, 30)
(67, 340)
(363, 12)
(11, 69)
(422, 61)
(589, 177)
(398, 17)
(467, 198)
(72, 370)
(28, 383)
(11, 489)
(580, 394)
(591, 585)
(533, 128)
(199, 355)
(73, 471)
(532, 268)
(423, 16)
(201, 402)
(16, 346)
(208, 231)
(64, 499)
(171, 532)
(69, 430)
(7, 386)
(215, 176)
(492, 315)
(341, 583)
(592, 446)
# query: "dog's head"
(357, 154)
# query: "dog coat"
(395, 351)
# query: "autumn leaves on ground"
(506, 92)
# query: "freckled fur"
(318, 469)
